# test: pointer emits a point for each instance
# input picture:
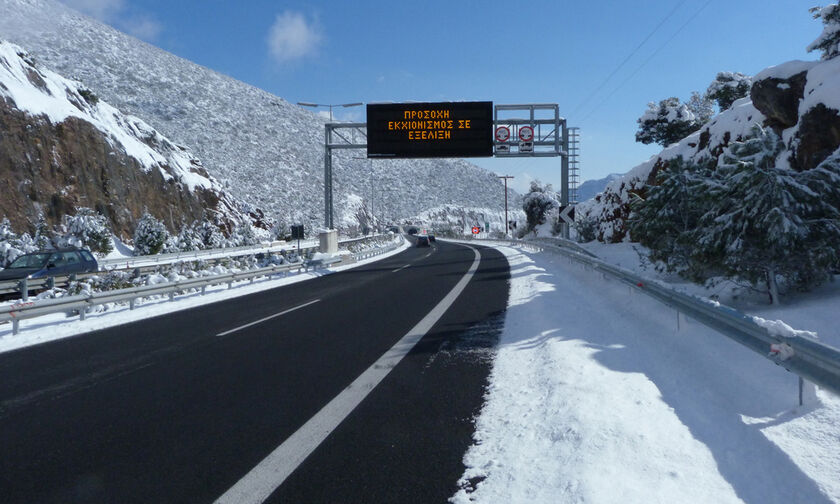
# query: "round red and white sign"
(502, 134)
(526, 133)
(476, 230)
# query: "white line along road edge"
(256, 486)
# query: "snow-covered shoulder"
(600, 396)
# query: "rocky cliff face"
(799, 100)
(62, 148)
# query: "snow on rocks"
(42, 92)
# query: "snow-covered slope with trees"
(63, 148)
(266, 151)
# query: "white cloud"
(292, 37)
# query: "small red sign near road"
(526, 133)
(502, 134)
(476, 230)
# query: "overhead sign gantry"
(452, 130)
(430, 130)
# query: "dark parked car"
(50, 263)
(431, 237)
(422, 241)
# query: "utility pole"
(507, 222)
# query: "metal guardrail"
(810, 359)
(153, 261)
(81, 303)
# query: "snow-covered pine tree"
(701, 106)
(88, 229)
(667, 122)
(829, 40)
(188, 239)
(43, 235)
(822, 214)
(728, 87)
(757, 226)
(207, 234)
(243, 235)
(8, 238)
(666, 220)
(150, 235)
(13, 245)
(536, 203)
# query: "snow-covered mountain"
(799, 100)
(591, 188)
(62, 147)
(266, 151)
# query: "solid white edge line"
(256, 486)
(400, 268)
(267, 318)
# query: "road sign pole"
(328, 210)
(564, 174)
(507, 222)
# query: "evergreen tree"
(87, 229)
(537, 203)
(761, 222)
(43, 236)
(728, 87)
(188, 239)
(828, 43)
(150, 236)
(666, 220)
(701, 106)
(208, 235)
(243, 235)
(667, 122)
(13, 245)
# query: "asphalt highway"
(192, 406)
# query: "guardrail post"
(82, 313)
(131, 303)
(23, 287)
(172, 295)
(203, 289)
(15, 326)
(50, 283)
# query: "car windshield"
(30, 261)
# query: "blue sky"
(507, 52)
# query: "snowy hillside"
(41, 92)
(79, 151)
(798, 100)
(266, 151)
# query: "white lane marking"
(268, 318)
(400, 268)
(256, 486)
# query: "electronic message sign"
(426, 130)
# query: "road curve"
(181, 407)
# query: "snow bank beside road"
(596, 396)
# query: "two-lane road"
(307, 385)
